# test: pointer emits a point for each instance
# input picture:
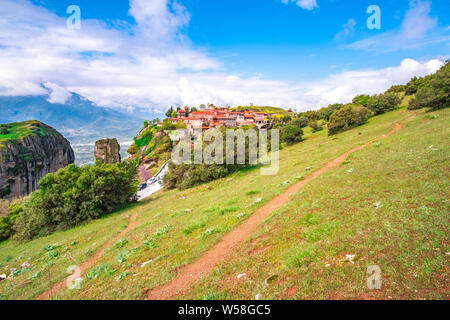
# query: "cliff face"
(107, 151)
(29, 151)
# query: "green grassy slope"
(388, 205)
(172, 236)
(19, 130)
(264, 109)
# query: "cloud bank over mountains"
(152, 64)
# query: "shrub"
(361, 100)
(311, 115)
(75, 195)
(382, 103)
(167, 125)
(412, 86)
(396, 89)
(7, 222)
(300, 122)
(315, 126)
(183, 176)
(325, 113)
(347, 117)
(434, 93)
(291, 134)
(144, 138)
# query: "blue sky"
(307, 52)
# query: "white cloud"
(414, 31)
(57, 94)
(152, 71)
(417, 21)
(223, 89)
(348, 30)
(304, 4)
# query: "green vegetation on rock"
(75, 195)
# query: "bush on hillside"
(183, 176)
(325, 113)
(349, 116)
(434, 93)
(413, 85)
(75, 195)
(315, 126)
(396, 89)
(291, 134)
(4, 130)
(10, 212)
(362, 100)
(382, 103)
(311, 115)
(300, 122)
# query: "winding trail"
(91, 262)
(193, 272)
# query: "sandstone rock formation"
(107, 151)
(29, 151)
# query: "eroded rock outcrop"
(29, 151)
(107, 151)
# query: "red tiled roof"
(225, 117)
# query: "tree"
(174, 114)
(291, 134)
(14, 209)
(167, 125)
(300, 122)
(202, 107)
(396, 89)
(315, 126)
(412, 86)
(311, 115)
(145, 123)
(325, 113)
(347, 117)
(434, 92)
(362, 100)
(286, 118)
(75, 195)
(382, 103)
(169, 112)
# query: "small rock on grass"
(241, 276)
(146, 263)
(350, 258)
(258, 296)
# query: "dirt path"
(91, 262)
(191, 273)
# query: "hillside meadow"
(387, 204)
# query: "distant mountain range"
(78, 119)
